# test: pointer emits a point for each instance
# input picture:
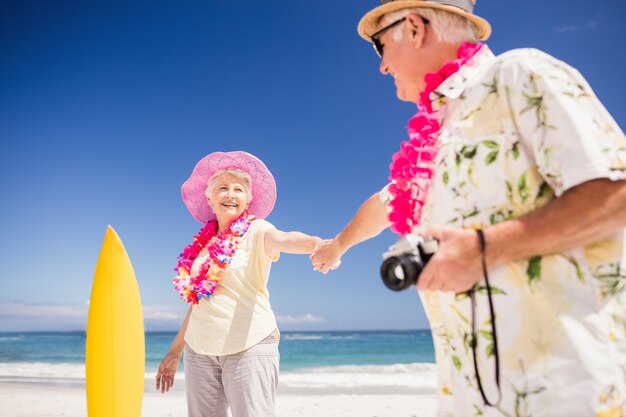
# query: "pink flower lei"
(412, 167)
(221, 252)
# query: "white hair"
(448, 27)
(242, 175)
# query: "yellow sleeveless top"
(238, 315)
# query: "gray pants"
(246, 381)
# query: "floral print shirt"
(518, 130)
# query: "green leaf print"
(489, 350)
(509, 191)
(515, 150)
(612, 280)
(579, 91)
(522, 188)
(470, 174)
(534, 101)
(457, 362)
(469, 151)
(482, 289)
(534, 269)
(487, 334)
(491, 157)
(491, 144)
(446, 178)
(582, 91)
(473, 213)
(456, 310)
(544, 189)
(471, 113)
(493, 87)
(461, 296)
(469, 340)
(500, 216)
(579, 270)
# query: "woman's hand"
(327, 256)
(167, 370)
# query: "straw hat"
(369, 23)
(263, 184)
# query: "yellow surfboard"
(115, 350)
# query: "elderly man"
(519, 172)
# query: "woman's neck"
(222, 224)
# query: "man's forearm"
(583, 214)
(369, 221)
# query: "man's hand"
(457, 264)
(326, 256)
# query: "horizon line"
(174, 331)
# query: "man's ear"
(416, 29)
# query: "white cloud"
(590, 25)
(175, 313)
(565, 29)
(306, 318)
(23, 316)
(13, 310)
(59, 311)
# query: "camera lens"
(400, 272)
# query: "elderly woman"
(229, 336)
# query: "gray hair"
(242, 175)
(448, 27)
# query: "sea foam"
(396, 378)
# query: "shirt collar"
(455, 84)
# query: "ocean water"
(381, 360)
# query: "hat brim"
(368, 25)
(263, 184)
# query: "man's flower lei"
(412, 167)
(221, 252)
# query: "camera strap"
(474, 342)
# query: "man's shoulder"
(524, 61)
(520, 54)
(525, 58)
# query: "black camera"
(404, 261)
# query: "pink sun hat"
(263, 184)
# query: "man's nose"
(383, 68)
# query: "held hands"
(326, 256)
(457, 264)
(166, 372)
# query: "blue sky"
(105, 107)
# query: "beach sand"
(32, 398)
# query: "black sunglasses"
(378, 47)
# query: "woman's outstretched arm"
(289, 242)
